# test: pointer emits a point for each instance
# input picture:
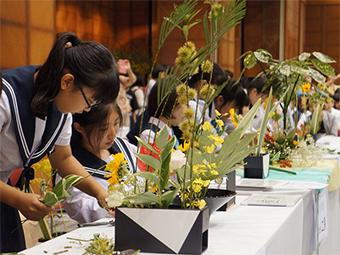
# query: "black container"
(172, 231)
(218, 199)
(231, 186)
(256, 166)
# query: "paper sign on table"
(322, 215)
(271, 200)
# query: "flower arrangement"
(204, 156)
(195, 167)
(303, 72)
(306, 153)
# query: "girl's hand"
(30, 206)
(103, 204)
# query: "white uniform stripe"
(100, 172)
(21, 133)
(38, 153)
(122, 149)
(17, 116)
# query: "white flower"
(115, 198)
(178, 159)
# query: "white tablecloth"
(253, 230)
(241, 230)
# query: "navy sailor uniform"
(22, 145)
(82, 207)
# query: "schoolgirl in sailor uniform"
(169, 112)
(216, 79)
(35, 120)
(231, 96)
(254, 88)
(93, 142)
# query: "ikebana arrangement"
(177, 178)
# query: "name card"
(271, 200)
(322, 215)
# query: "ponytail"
(91, 64)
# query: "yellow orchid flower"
(306, 87)
(184, 147)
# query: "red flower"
(269, 138)
(143, 150)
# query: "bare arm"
(63, 160)
(27, 203)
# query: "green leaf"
(45, 231)
(70, 180)
(162, 137)
(276, 157)
(185, 31)
(206, 29)
(229, 144)
(148, 175)
(299, 70)
(168, 197)
(149, 160)
(316, 75)
(165, 172)
(185, 171)
(165, 158)
(324, 58)
(304, 56)
(315, 122)
(235, 158)
(246, 122)
(59, 189)
(145, 198)
(197, 157)
(145, 144)
(264, 122)
(250, 60)
(50, 199)
(324, 68)
(263, 55)
(167, 149)
(285, 70)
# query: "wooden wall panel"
(261, 29)
(119, 25)
(41, 26)
(13, 49)
(323, 29)
(13, 11)
(27, 32)
(292, 29)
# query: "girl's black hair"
(218, 76)
(336, 96)
(169, 100)
(159, 69)
(258, 83)
(93, 122)
(233, 92)
(139, 81)
(91, 64)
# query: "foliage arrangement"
(302, 72)
(204, 156)
(52, 195)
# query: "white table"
(241, 230)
